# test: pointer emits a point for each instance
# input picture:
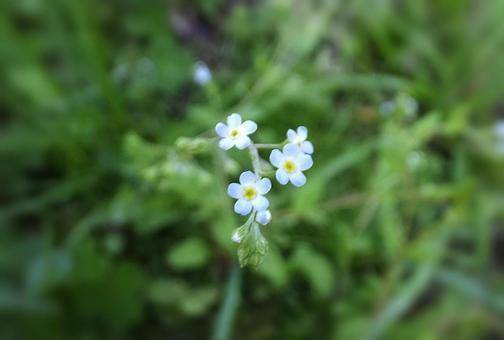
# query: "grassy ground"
(114, 220)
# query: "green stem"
(269, 146)
(256, 162)
(227, 313)
(269, 173)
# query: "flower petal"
(307, 147)
(276, 158)
(291, 150)
(263, 217)
(226, 143)
(291, 136)
(263, 186)
(302, 132)
(242, 207)
(242, 142)
(235, 190)
(222, 129)
(248, 127)
(260, 203)
(282, 176)
(298, 179)
(234, 120)
(304, 161)
(247, 177)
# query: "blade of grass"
(225, 319)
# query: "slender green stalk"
(225, 318)
(256, 162)
(268, 146)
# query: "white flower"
(235, 133)
(202, 74)
(290, 163)
(263, 217)
(249, 193)
(499, 129)
(299, 138)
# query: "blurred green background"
(114, 220)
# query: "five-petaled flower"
(291, 163)
(299, 138)
(249, 193)
(235, 133)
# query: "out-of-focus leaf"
(48, 271)
(188, 254)
(474, 290)
(400, 303)
(104, 290)
(191, 301)
(311, 193)
(274, 268)
(316, 269)
(198, 301)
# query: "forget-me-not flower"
(291, 163)
(299, 138)
(249, 193)
(235, 133)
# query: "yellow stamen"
(234, 133)
(249, 193)
(289, 166)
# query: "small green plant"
(294, 158)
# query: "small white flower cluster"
(294, 158)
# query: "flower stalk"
(256, 161)
(269, 146)
(250, 192)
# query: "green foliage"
(114, 217)
(252, 245)
(191, 253)
(190, 301)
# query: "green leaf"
(403, 300)
(166, 291)
(198, 301)
(473, 289)
(274, 269)
(189, 254)
(191, 301)
(315, 267)
(308, 196)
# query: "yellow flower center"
(234, 133)
(289, 166)
(249, 193)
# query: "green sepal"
(253, 245)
